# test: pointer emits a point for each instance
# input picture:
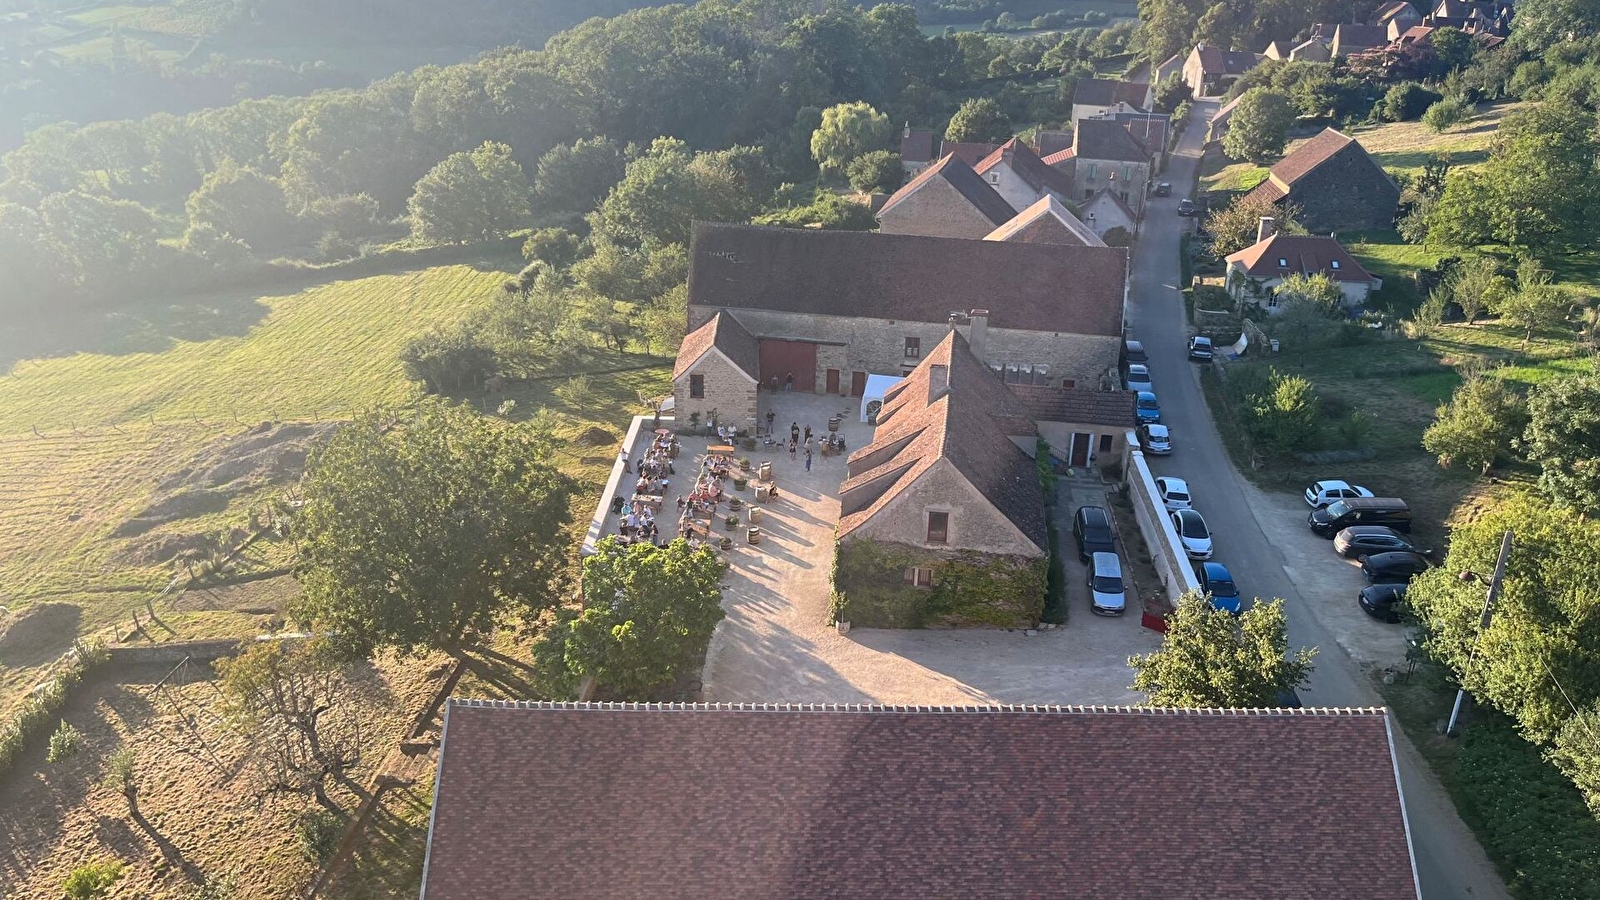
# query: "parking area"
(775, 645)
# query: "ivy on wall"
(968, 588)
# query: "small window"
(697, 387)
(1092, 168)
(1127, 173)
(1272, 301)
(1283, 263)
(1334, 263)
(1105, 443)
(913, 348)
(919, 576)
(994, 177)
(1068, 383)
(938, 527)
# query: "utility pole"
(1483, 624)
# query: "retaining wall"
(1166, 552)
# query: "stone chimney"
(906, 132)
(938, 382)
(1265, 228)
(978, 336)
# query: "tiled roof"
(967, 424)
(1107, 139)
(1277, 50)
(1309, 155)
(1216, 61)
(955, 172)
(1108, 92)
(725, 333)
(1312, 50)
(1046, 222)
(1055, 160)
(1302, 254)
(1390, 10)
(1347, 37)
(916, 145)
(1220, 118)
(1028, 166)
(824, 802)
(1031, 287)
(1149, 130)
(1080, 405)
(1046, 142)
(1416, 34)
(970, 153)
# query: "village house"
(1096, 98)
(1021, 177)
(1108, 216)
(1210, 70)
(1152, 131)
(1047, 141)
(1256, 272)
(1336, 184)
(1397, 14)
(828, 308)
(917, 146)
(1349, 40)
(1311, 50)
(1106, 157)
(947, 199)
(1048, 221)
(601, 801)
(717, 373)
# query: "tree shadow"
(144, 327)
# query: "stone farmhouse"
(1105, 156)
(1336, 183)
(1349, 39)
(1255, 272)
(1098, 98)
(921, 148)
(601, 801)
(824, 309)
(1210, 70)
(1021, 177)
(947, 200)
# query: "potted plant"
(740, 482)
(732, 522)
(734, 502)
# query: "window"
(1087, 193)
(1127, 173)
(1283, 263)
(913, 347)
(1272, 301)
(1092, 168)
(1069, 383)
(938, 527)
(697, 387)
(1334, 263)
(1105, 443)
(919, 576)
(994, 177)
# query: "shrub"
(120, 773)
(318, 832)
(448, 359)
(65, 742)
(92, 880)
(1406, 101)
(574, 391)
(876, 171)
(1446, 114)
(1477, 425)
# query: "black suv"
(1091, 526)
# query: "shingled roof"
(969, 184)
(1033, 287)
(1299, 254)
(1302, 160)
(1150, 130)
(964, 417)
(916, 145)
(831, 802)
(1079, 405)
(1216, 61)
(725, 334)
(971, 153)
(1028, 166)
(1107, 139)
(1109, 92)
(1046, 222)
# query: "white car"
(1106, 594)
(1322, 493)
(1192, 533)
(1139, 378)
(1155, 439)
(1174, 492)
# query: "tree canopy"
(1211, 658)
(848, 130)
(979, 120)
(1259, 126)
(1563, 437)
(1476, 426)
(471, 196)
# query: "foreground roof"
(1047, 221)
(725, 334)
(1299, 254)
(629, 801)
(1107, 139)
(1078, 405)
(969, 184)
(1032, 287)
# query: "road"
(1450, 862)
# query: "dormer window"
(1283, 263)
(994, 177)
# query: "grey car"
(1364, 540)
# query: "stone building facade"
(714, 378)
(946, 200)
(1336, 184)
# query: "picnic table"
(653, 501)
(721, 449)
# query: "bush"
(1446, 114)
(64, 743)
(1406, 101)
(33, 713)
(448, 358)
(878, 171)
(92, 880)
(318, 832)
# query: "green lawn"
(1384, 254)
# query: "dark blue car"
(1218, 582)
(1148, 408)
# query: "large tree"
(1563, 437)
(1235, 226)
(471, 197)
(1259, 126)
(1213, 659)
(669, 188)
(879, 171)
(648, 615)
(1477, 425)
(574, 178)
(1540, 23)
(239, 201)
(979, 120)
(424, 535)
(848, 130)
(1534, 302)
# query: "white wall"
(1166, 552)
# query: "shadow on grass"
(145, 327)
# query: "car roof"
(1395, 557)
(1147, 395)
(1107, 563)
(1187, 513)
(1364, 530)
(1172, 482)
(1331, 484)
(1141, 368)
(1131, 345)
(1155, 430)
(1094, 512)
(1201, 339)
(1216, 571)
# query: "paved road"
(1450, 862)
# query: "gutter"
(438, 778)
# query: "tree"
(1429, 317)
(1476, 284)
(470, 197)
(1476, 426)
(1235, 226)
(1563, 437)
(100, 244)
(1534, 303)
(1170, 93)
(1446, 114)
(246, 204)
(1545, 634)
(448, 359)
(826, 210)
(1539, 24)
(666, 320)
(1452, 48)
(847, 131)
(879, 171)
(426, 534)
(290, 697)
(979, 120)
(1286, 416)
(122, 776)
(1259, 126)
(1307, 313)
(555, 247)
(649, 613)
(574, 178)
(1406, 101)
(668, 188)
(1212, 659)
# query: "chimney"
(978, 336)
(907, 131)
(938, 382)
(1265, 228)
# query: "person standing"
(794, 431)
(791, 449)
(808, 432)
(770, 416)
(788, 382)
(808, 459)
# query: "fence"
(1166, 551)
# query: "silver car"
(1107, 596)
(1155, 440)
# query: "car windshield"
(1223, 589)
(1097, 534)
(1192, 527)
(1157, 438)
(1147, 403)
(1338, 508)
(1202, 342)
(1107, 584)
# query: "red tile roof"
(969, 184)
(1055, 160)
(631, 801)
(1028, 166)
(1301, 254)
(724, 333)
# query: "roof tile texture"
(969, 184)
(726, 334)
(1028, 166)
(1107, 139)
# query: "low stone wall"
(174, 652)
(1166, 552)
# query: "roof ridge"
(963, 709)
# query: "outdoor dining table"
(651, 500)
(721, 449)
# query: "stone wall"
(1059, 436)
(1090, 175)
(974, 524)
(730, 393)
(1348, 192)
(878, 346)
(936, 210)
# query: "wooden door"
(781, 359)
(858, 383)
(833, 382)
(1080, 449)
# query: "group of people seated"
(639, 525)
(654, 469)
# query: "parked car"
(1394, 568)
(1321, 493)
(1139, 378)
(1216, 580)
(1341, 514)
(1148, 408)
(1200, 348)
(1382, 601)
(1162, 189)
(1155, 439)
(1186, 208)
(1106, 596)
(1174, 492)
(1091, 526)
(1363, 540)
(1192, 533)
(1133, 352)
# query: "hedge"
(39, 710)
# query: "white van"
(1105, 585)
